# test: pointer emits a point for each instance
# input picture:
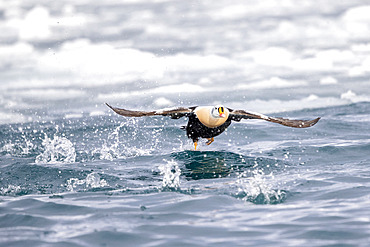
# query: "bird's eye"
(221, 110)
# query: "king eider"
(210, 121)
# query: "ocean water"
(74, 173)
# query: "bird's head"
(219, 111)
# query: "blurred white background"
(66, 58)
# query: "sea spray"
(257, 187)
(11, 190)
(92, 180)
(57, 150)
(115, 148)
(21, 148)
(110, 147)
(171, 175)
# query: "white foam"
(104, 64)
(10, 117)
(276, 105)
(342, 142)
(328, 80)
(57, 150)
(310, 102)
(314, 60)
(96, 113)
(356, 21)
(110, 148)
(318, 62)
(362, 69)
(185, 62)
(171, 175)
(92, 180)
(232, 12)
(98, 62)
(259, 184)
(263, 146)
(353, 97)
(162, 101)
(273, 82)
(360, 13)
(168, 89)
(10, 190)
(73, 115)
(50, 94)
(179, 88)
(361, 47)
(272, 56)
(259, 9)
(18, 54)
(36, 24)
(19, 147)
(113, 148)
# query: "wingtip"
(315, 121)
(112, 108)
(109, 105)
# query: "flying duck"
(210, 121)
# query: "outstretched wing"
(237, 115)
(174, 113)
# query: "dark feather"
(237, 115)
(174, 113)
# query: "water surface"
(73, 173)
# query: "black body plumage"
(195, 129)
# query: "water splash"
(20, 148)
(171, 175)
(110, 148)
(106, 152)
(10, 190)
(8, 148)
(115, 148)
(257, 187)
(57, 150)
(92, 180)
